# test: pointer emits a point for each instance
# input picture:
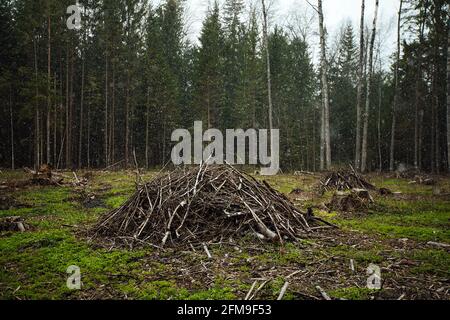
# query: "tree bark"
(37, 159)
(106, 111)
(269, 79)
(127, 121)
(322, 137)
(448, 96)
(417, 109)
(368, 91)
(80, 142)
(394, 107)
(12, 127)
(49, 100)
(325, 93)
(55, 122)
(147, 115)
(88, 148)
(360, 90)
(113, 116)
(380, 97)
(67, 109)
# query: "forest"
(89, 98)
(93, 205)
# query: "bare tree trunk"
(113, 116)
(417, 144)
(147, 115)
(49, 101)
(12, 127)
(394, 107)
(380, 97)
(437, 140)
(360, 90)
(80, 142)
(325, 93)
(269, 79)
(127, 120)
(368, 91)
(71, 113)
(55, 121)
(67, 109)
(448, 97)
(88, 148)
(37, 159)
(106, 111)
(322, 137)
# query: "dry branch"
(202, 204)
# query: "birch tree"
(325, 92)
(368, 89)
(394, 106)
(269, 82)
(360, 89)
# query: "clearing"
(406, 234)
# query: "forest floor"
(394, 234)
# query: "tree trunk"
(269, 78)
(417, 109)
(360, 90)
(394, 107)
(106, 111)
(448, 97)
(12, 128)
(325, 93)
(147, 115)
(80, 142)
(49, 102)
(67, 109)
(71, 96)
(380, 97)
(368, 91)
(113, 116)
(88, 148)
(127, 121)
(322, 137)
(37, 159)
(55, 123)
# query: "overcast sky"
(336, 12)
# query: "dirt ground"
(405, 234)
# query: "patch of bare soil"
(88, 200)
(16, 224)
(300, 195)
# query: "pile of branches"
(344, 180)
(357, 200)
(202, 204)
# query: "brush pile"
(202, 204)
(357, 200)
(344, 180)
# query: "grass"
(34, 263)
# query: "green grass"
(352, 293)
(34, 263)
(421, 220)
(432, 261)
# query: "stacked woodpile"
(202, 204)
